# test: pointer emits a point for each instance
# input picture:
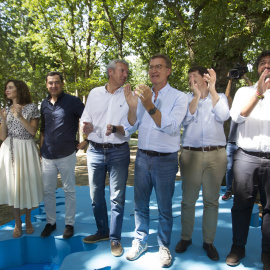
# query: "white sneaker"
(136, 250)
(165, 256)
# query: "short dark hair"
(23, 93)
(163, 56)
(261, 55)
(54, 73)
(200, 69)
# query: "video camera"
(237, 72)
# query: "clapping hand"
(264, 82)
(144, 93)
(211, 80)
(17, 111)
(132, 100)
(194, 86)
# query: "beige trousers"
(206, 170)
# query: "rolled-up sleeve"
(129, 129)
(171, 121)
(240, 100)
(221, 109)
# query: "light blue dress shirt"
(172, 104)
(205, 126)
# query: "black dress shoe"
(182, 245)
(49, 228)
(68, 232)
(211, 251)
(235, 255)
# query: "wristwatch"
(152, 111)
(113, 129)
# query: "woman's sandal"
(29, 228)
(17, 231)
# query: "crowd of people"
(111, 114)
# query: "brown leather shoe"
(237, 253)
(182, 245)
(116, 248)
(266, 260)
(96, 238)
(68, 232)
(211, 251)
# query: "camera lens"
(234, 73)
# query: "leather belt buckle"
(107, 145)
(204, 148)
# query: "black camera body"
(238, 72)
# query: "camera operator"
(231, 144)
(229, 85)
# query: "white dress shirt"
(172, 104)
(254, 130)
(205, 126)
(103, 108)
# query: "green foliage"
(79, 38)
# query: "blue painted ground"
(32, 252)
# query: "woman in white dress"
(20, 182)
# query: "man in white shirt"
(251, 110)
(203, 157)
(157, 113)
(102, 120)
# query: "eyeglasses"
(157, 67)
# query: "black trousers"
(251, 174)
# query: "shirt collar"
(118, 90)
(60, 97)
(163, 90)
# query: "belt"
(154, 153)
(257, 154)
(105, 145)
(204, 148)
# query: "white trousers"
(50, 169)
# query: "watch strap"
(152, 111)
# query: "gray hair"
(113, 63)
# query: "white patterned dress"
(20, 174)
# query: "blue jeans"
(230, 150)
(115, 161)
(158, 172)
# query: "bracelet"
(87, 140)
(114, 129)
(259, 96)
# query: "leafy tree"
(219, 34)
